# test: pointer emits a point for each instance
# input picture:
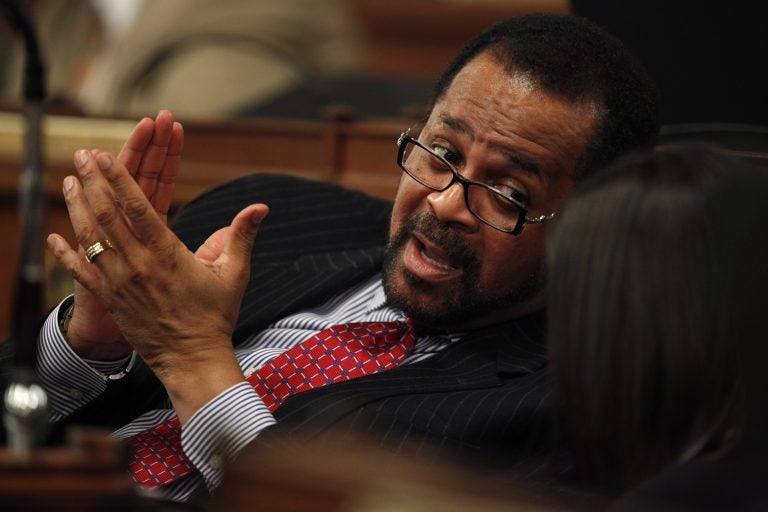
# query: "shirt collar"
(378, 297)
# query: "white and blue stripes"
(221, 428)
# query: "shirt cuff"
(217, 432)
(68, 379)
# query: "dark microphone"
(25, 399)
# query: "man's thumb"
(243, 232)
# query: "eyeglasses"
(489, 204)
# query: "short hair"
(574, 59)
(644, 367)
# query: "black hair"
(574, 59)
(645, 376)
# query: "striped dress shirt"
(226, 424)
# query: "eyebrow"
(512, 156)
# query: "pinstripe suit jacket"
(483, 396)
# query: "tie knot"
(375, 334)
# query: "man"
(525, 111)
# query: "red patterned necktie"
(339, 353)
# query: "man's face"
(444, 267)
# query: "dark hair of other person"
(644, 373)
(735, 481)
(579, 62)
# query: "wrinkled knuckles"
(136, 274)
(149, 174)
(80, 274)
(86, 235)
(86, 173)
(105, 214)
(75, 270)
(135, 207)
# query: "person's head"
(643, 367)
(529, 107)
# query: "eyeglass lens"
(432, 172)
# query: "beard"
(465, 301)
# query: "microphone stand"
(25, 400)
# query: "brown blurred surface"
(343, 475)
(85, 475)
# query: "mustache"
(443, 235)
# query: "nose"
(450, 206)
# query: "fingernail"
(51, 241)
(69, 182)
(81, 157)
(104, 162)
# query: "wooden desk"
(358, 154)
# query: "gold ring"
(96, 249)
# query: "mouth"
(429, 262)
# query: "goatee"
(465, 301)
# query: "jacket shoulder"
(304, 211)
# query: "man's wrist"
(65, 315)
(113, 373)
(71, 326)
(190, 385)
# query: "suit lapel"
(481, 360)
(279, 290)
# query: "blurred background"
(299, 58)
(214, 60)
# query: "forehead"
(503, 111)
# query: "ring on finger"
(94, 250)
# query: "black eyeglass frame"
(522, 218)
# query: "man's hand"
(151, 155)
(175, 308)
